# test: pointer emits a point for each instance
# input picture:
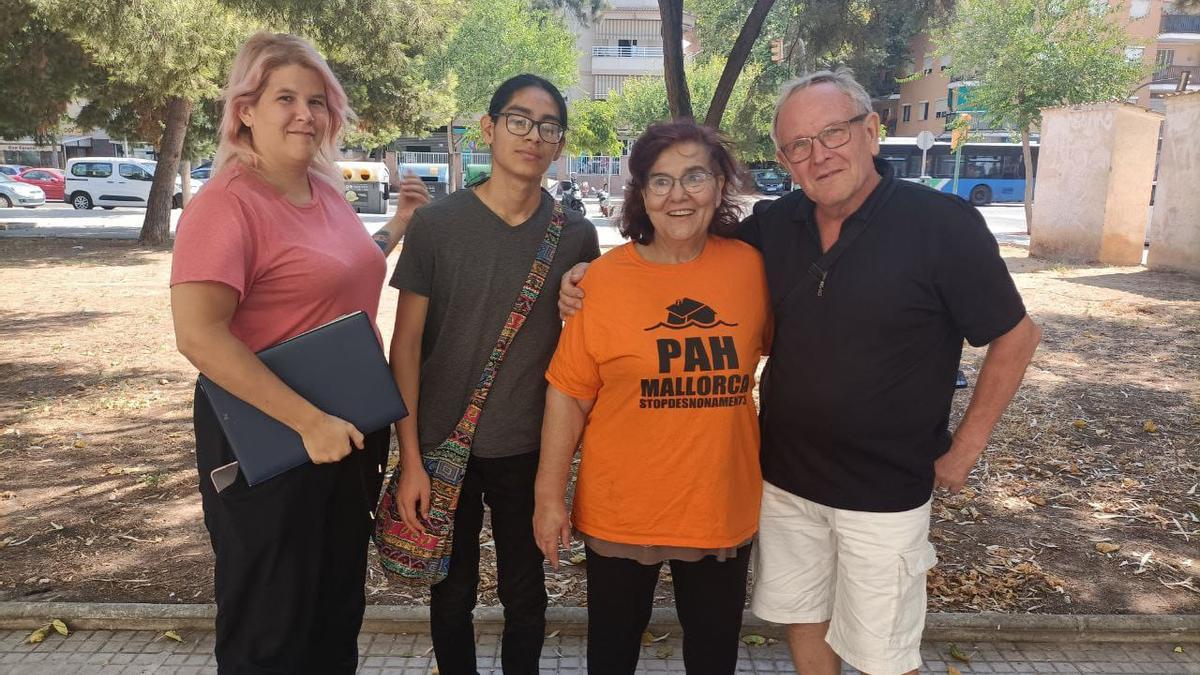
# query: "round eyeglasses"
(693, 181)
(520, 125)
(833, 136)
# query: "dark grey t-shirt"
(471, 265)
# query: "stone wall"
(1095, 171)
(1175, 225)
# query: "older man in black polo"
(875, 284)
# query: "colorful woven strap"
(426, 557)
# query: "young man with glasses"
(465, 259)
(875, 283)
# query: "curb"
(984, 627)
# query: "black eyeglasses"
(520, 125)
(694, 181)
(832, 136)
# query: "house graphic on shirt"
(689, 313)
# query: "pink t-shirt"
(294, 267)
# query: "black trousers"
(506, 485)
(291, 557)
(709, 598)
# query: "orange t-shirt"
(669, 353)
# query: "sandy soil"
(1086, 501)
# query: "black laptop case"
(338, 367)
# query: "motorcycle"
(571, 196)
(606, 208)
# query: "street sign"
(924, 142)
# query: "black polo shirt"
(856, 403)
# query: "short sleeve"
(584, 241)
(214, 242)
(973, 281)
(591, 249)
(573, 369)
(748, 229)
(414, 269)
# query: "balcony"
(1166, 78)
(628, 52)
(1179, 29)
(614, 60)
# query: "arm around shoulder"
(413, 196)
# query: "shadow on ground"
(20, 253)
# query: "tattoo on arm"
(384, 239)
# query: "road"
(1007, 222)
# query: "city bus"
(988, 172)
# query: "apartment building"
(1163, 38)
(926, 91)
(624, 40)
(1168, 44)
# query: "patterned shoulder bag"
(425, 557)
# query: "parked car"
(52, 182)
(771, 181)
(114, 181)
(202, 173)
(15, 193)
(12, 169)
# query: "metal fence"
(628, 52)
(1180, 23)
(594, 165)
(589, 165)
(442, 158)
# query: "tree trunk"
(185, 178)
(156, 229)
(678, 97)
(453, 161)
(737, 60)
(1028, 155)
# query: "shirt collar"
(887, 183)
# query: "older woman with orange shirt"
(656, 374)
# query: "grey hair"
(841, 77)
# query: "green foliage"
(584, 10)
(358, 31)
(377, 50)
(496, 40)
(1032, 54)
(644, 101)
(127, 59)
(138, 56)
(593, 128)
(869, 36)
(39, 73)
(160, 49)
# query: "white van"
(114, 181)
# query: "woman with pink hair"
(267, 250)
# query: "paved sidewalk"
(96, 652)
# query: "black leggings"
(291, 556)
(709, 598)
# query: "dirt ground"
(1086, 500)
